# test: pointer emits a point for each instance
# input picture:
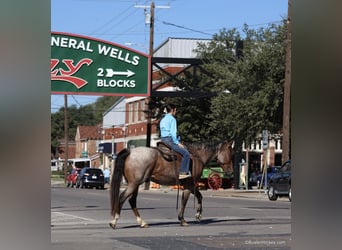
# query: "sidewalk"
(239, 193)
(231, 192)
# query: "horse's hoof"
(184, 224)
(144, 226)
(112, 225)
(198, 218)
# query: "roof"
(114, 105)
(89, 132)
(179, 47)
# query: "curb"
(236, 193)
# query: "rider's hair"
(170, 107)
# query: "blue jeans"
(184, 152)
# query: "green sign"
(87, 66)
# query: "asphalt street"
(232, 219)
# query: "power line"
(73, 97)
(183, 27)
(205, 33)
(111, 20)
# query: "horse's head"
(224, 156)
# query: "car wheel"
(290, 194)
(271, 195)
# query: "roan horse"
(161, 165)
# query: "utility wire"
(205, 33)
(111, 20)
(73, 97)
(183, 27)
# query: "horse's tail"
(116, 179)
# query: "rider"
(168, 130)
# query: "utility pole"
(287, 92)
(150, 19)
(149, 114)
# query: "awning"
(106, 148)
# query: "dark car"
(72, 177)
(280, 183)
(270, 171)
(90, 177)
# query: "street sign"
(88, 66)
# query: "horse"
(161, 165)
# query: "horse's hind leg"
(133, 203)
(185, 197)
(116, 215)
(199, 197)
(123, 197)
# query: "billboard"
(87, 66)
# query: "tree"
(87, 115)
(250, 88)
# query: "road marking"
(59, 217)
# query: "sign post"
(264, 147)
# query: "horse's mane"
(203, 146)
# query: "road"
(79, 220)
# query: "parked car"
(90, 177)
(72, 177)
(280, 183)
(270, 171)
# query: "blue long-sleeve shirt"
(168, 127)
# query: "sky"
(123, 22)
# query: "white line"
(65, 217)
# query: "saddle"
(166, 152)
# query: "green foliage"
(87, 115)
(250, 88)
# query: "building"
(87, 140)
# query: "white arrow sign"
(111, 73)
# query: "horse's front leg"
(185, 197)
(199, 197)
(133, 203)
